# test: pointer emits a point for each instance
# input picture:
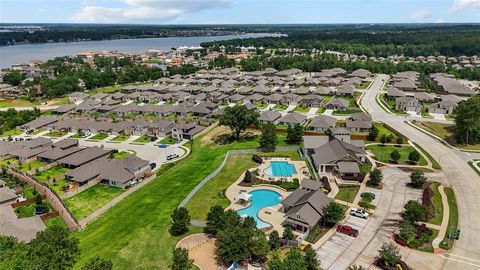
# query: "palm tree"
(356, 267)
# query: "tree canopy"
(467, 126)
(238, 118)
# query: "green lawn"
(58, 184)
(120, 155)
(38, 131)
(60, 101)
(131, 115)
(26, 211)
(321, 110)
(106, 90)
(168, 140)
(77, 136)
(434, 162)
(11, 132)
(99, 136)
(301, 109)
(280, 107)
(213, 192)
(51, 173)
(32, 165)
(55, 134)
(89, 200)
(365, 85)
(151, 117)
(445, 131)
(134, 233)
(120, 138)
(28, 192)
(382, 130)
(382, 153)
(10, 161)
(261, 105)
(4, 103)
(437, 205)
(346, 112)
(55, 221)
(452, 218)
(144, 139)
(347, 194)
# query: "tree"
(13, 77)
(54, 248)
(276, 263)
(417, 179)
(414, 156)
(237, 118)
(248, 177)
(97, 263)
(268, 139)
(413, 212)
(333, 213)
(373, 133)
(395, 156)
(295, 260)
(389, 253)
(399, 140)
(467, 126)
(259, 245)
(295, 134)
(13, 253)
(274, 240)
(180, 221)
(407, 232)
(311, 259)
(288, 233)
(38, 199)
(180, 260)
(233, 244)
(375, 177)
(383, 139)
(214, 220)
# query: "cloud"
(419, 15)
(144, 10)
(461, 5)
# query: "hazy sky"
(238, 11)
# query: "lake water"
(11, 55)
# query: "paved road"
(465, 183)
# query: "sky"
(239, 11)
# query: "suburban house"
(345, 90)
(39, 123)
(82, 157)
(291, 119)
(77, 97)
(269, 116)
(186, 131)
(303, 208)
(393, 93)
(322, 123)
(28, 150)
(424, 97)
(444, 107)
(407, 104)
(311, 101)
(359, 122)
(337, 104)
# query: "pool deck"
(273, 216)
(300, 167)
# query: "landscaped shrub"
(427, 203)
(257, 159)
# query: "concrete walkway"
(446, 214)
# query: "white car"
(359, 213)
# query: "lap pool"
(260, 199)
(280, 169)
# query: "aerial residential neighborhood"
(139, 135)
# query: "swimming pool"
(260, 199)
(280, 169)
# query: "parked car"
(368, 194)
(359, 213)
(153, 139)
(162, 146)
(345, 229)
(153, 166)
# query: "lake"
(11, 55)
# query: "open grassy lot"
(452, 218)
(11, 132)
(106, 90)
(144, 139)
(7, 162)
(99, 136)
(51, 173)
(4, 103)
(60, 101)
(89, 200)
(32, 165)
(437, 205)
(347, 194)
(445, 131)
(382, 153)
(134, 233)
(120, 138)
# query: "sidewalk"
(446, 214)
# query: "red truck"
(347, 230)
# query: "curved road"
(464, 181)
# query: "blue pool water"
(260, 199)
(280, 169)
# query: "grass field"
(26, 211)
(435, 164)
(11, 132)
(347, 194)
(382, 153)
(144, 139)
(55, 221)
(4, 103)
(32, 165)
(452, 218)
(89, 200)
(437, 205)
(134, 233)
(58, 184)
(120, 155)
(120, 138)
(99, 136)
(51, 173)
(445, 131)
(7, 162)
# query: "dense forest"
(12, 118)
(69, 33)
(376, 40)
